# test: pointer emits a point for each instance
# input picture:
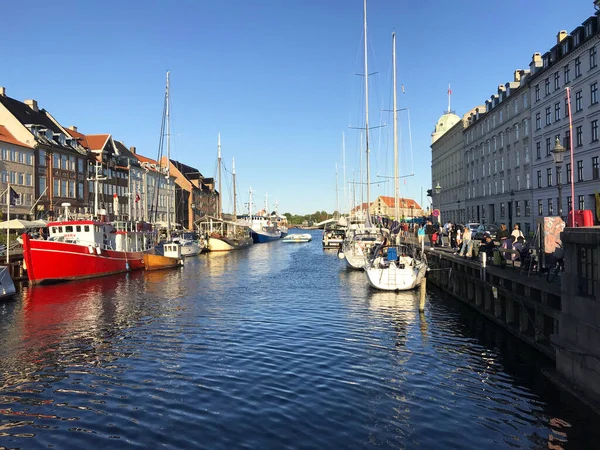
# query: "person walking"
(502, 233)
(465, 249)
(421, 237)
(429, 231)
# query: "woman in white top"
(517, 233)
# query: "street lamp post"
(510, 209)
(438, 189)
(458, 211)
(558, 153)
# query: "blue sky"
(275, 77)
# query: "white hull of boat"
(402, 276)
(298, 238)
(220, 245)
(190, 249)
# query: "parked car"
(488, 228)
(473, 226)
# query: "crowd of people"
(461, 239)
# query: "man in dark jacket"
(429, 231)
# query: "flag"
(403, 91)
(137, 197)
(13, 197)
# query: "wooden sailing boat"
(223, 235)
(360, 239)
(395, 267)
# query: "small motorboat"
(304, 237)
(171, 257)
(7, 287)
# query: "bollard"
(423, 292)
(483, 264)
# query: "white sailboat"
(360, 239)
(223, 235)
(395, 267)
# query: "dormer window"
(588, 29)
(62, 140)
(546, 61)
(576, 39)
(49, 135)
(565, 47)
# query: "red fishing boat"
(77, 249)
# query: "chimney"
(561, 35)
(517, 76)
(32, 104)
(132, 150)
(73, 128)
(536, 62)
(2, 91)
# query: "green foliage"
(317, 216)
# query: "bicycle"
(558, 267)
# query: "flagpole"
(7, 224)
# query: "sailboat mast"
(168, 120)
(344, 169)
(337, 192)
(396, 210)
(234, 192)
(367, 115)
(219, 200)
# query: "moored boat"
(298, 238)
(170, 258)
(7, 286)
(77, 249)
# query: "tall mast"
(337, 195)
(344, 169)
(234, 192)
(220, 205)
(368, 222)
(396, 211)
(449, 95)
(360, 176)
(267, 203)
(167, 175)
(250, 204)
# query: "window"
(547, 86)
(548, 147)
(540, 207)
(538, 150)
(548, 116)
(516, 132)
(549, 177)
(502, 186)
(577, 67)
(72, 189)
(41, 185)
(567, 140)
(56, 186)
(495, 166)
(80, 163)
(518, 208)
(72, 162)
(502, 209)
(578, 101)
(56, 161)
(580, 171)
(556, 81)
(569, 203)
(524, 101)
(594, 124)
(502, 163)
(539, 178)
(80, 191)
(567, 74)
(594, 93)
(527, 208)
(538, 121)
(557, 111)
(537, 92)
(515, 107)
(500, 116)
(64, 161)
(579, 136)
(64, 190)
(518, 177)
(527, 181)
(568, 165)
(581, 201)
(29, 179)
(595, 168)
(550, 207)
(592, 57)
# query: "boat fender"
(126, 266)
(98, 250)
(91, 249)
(341, 255)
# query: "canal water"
(276, 346)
